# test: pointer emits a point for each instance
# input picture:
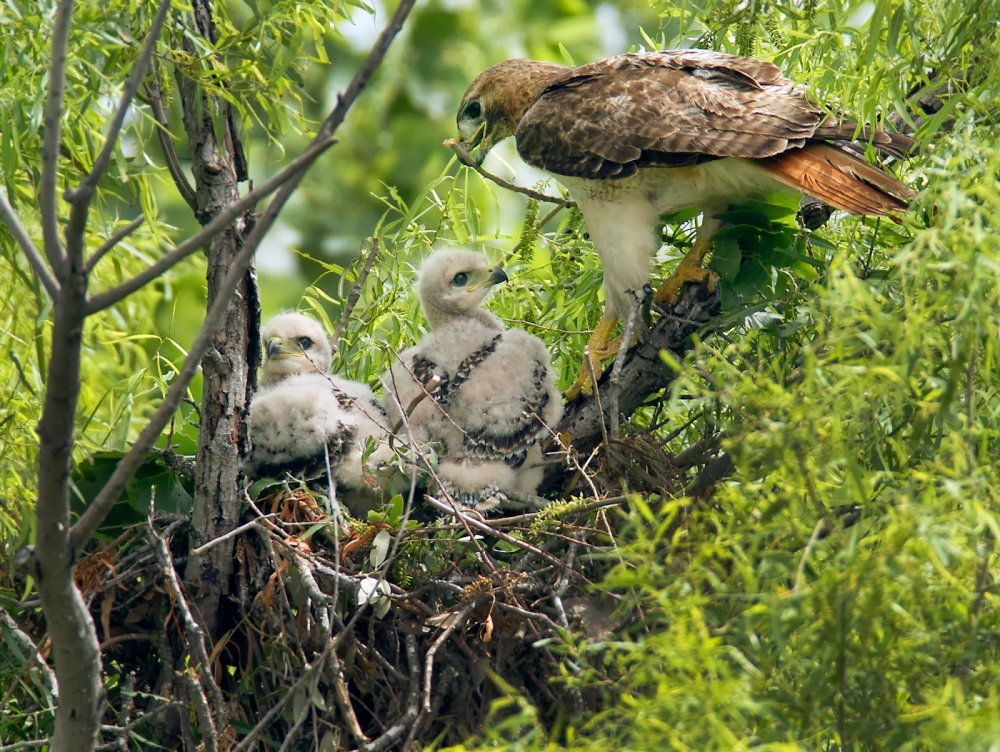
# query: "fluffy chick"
(484, 394)
(302, 414)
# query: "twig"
(563, 583)
(801, 569)
(473, 522)
(517, 246)
(197, 696)
(343, 699)
(232, 533)
(167, 145)
(144, 718)
(38, 265)
(597, 394)
(49, 683)
(291, 173)
(615, 383)
(81, 196)
(460, 617)
(465, 158)
(25, 745)
(355, 294)
(195, 637)
(410, 721)
(113, 241)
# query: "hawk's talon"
(690, 269)
(599, 348)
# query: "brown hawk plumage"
(644, 134)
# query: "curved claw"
(599, 347)
(689, 270)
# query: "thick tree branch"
(74, 639)
(102, 503)
(20, 234)
(47, 199)
(642, 374)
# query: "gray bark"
(229, 367)
(74, 638)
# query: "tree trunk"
(74, 637)
(229, 367)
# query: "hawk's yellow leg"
(689, 270)
(599, 347)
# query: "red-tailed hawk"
(483, 394)
(645, 134)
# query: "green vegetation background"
(874, 383)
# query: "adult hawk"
(483, 394)
(640, 135)
(304, 419)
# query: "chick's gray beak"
(497, 276)
(273, 346)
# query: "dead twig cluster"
(359, 651)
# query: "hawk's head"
(453, 283)
(293, 343)
(496, 101)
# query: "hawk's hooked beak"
(494, 276)
(478, 145)
(275, 349)
(497, 276)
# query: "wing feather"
(675, 108)
(614, 116)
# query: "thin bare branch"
(27, 645)
(614, 383)
(360, 80)
(184, 186)
(195, 638)
(465, 158)
(482, 526)
(20, 234)
(81, 196)
(114, 240)
(355, 294)
(458, 620)
(35, 744)
(47, 199)
(219, 223)
(231, 534)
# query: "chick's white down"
(482, 394)
(303, 417)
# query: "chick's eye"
(304, 342)
(460, 279)
(473, 110)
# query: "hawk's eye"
(304, 342)
(460, 279)
(473, 110)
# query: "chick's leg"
(689, 270)
(599, 347)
